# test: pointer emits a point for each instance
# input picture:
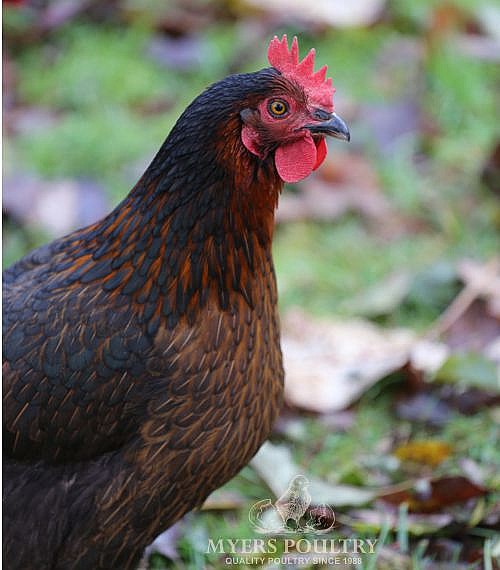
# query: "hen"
(142, 362)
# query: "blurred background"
(387, 258)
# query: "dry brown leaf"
(484, 280)
(329, 364)
(471, 323)
(475, 330)
(432, 496)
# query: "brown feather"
(142, 359)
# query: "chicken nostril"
(322, 115)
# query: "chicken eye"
(277, 108)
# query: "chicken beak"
(335, 127)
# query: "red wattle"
(321, 150)
(296, 160)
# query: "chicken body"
(142, 366)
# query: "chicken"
(293, 504)
(142, 362)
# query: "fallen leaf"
(325, 12)
(428, 496)
(484, 280)
(466, 322)
(428, 356)
(274, 463)
(428, 452)
(329, 364)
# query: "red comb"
(287, 61)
